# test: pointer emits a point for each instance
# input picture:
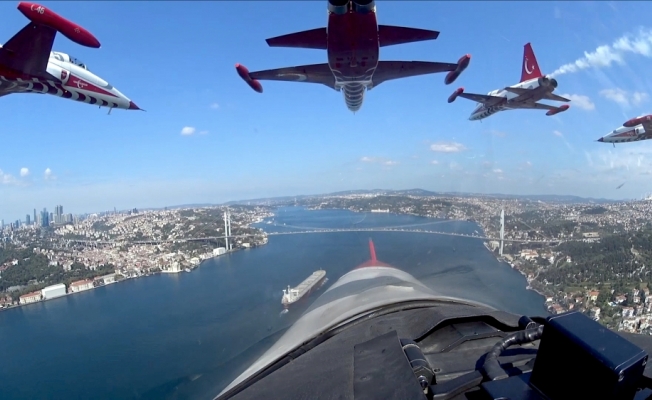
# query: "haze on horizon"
(208, 138)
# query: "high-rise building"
(45, 218)
(27, 221)
(35, 217)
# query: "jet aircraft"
(352, 41)
(533, 87)
(639, 128)
(379, 333)
(27, 64)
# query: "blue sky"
(176, 60)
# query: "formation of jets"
(352, 40)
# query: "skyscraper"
(27, 222)
(45, 218)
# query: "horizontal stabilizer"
(312, 39)
(392, 35)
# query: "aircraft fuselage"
(353, 50)
(625, 134)
(537, 89)
(67, 78)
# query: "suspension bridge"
(307, 231)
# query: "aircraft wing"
(482, 98)
(315, 73)
(547, 96)
(28, 51)
(389, 70)
(554, 97)
(537, 106)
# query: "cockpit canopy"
(67, 58)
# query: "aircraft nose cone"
(601, 140)
(133, 106)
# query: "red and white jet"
(533, 87)
(27, 64)
(639, 128)
(352, 41)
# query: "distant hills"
(422, 192)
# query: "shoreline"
(124, 278)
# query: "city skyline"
(217, 141)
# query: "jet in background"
(27, 64)
(639, 128)
(352, 41)
(533, 87)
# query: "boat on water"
(314, 281)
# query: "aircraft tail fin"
(530, 68)
(392, 35)
(372, 251)
(312, 39)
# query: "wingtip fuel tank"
(637, 121)
(244, 74)
(557, 110)
(44, 16)
(462, 64)
(456, 93)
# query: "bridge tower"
(502, 230)
(227, 229)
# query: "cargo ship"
(314, 281)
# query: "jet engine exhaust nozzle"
(364, 6)
(338, 7)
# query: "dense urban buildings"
(579, 254)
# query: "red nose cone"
(133, 106)
(601, 140)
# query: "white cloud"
(557, 133)
(604, 56)
(447, 147)
(623, 97)
(6, 179)
(24, 172)
(187, 130)
(379, 160)
(580, 101)
(434, 162)
(498, 171)
(215, 106)
(47, 175)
